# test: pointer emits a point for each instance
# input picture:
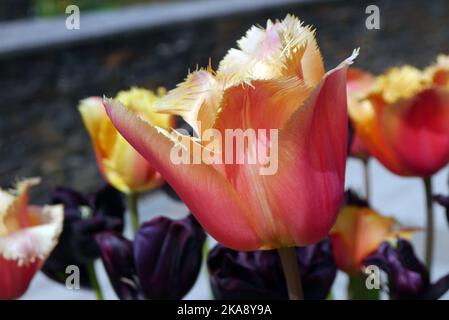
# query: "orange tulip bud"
(358, 232)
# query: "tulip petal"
(168, 256)
(437, 289)
(228, 224)
(23, 252)
(101, 132)
(308, 66)
(15, 278)
(418, 129)
(254, 58)
(443, 201)
(142, 102)
(283, 49)
(262, 105)
(119, 163)
(34, 242)
(357, 233)
(71, 199)
(196, 99)
(258, 275)
(366, 119)
(117, 257)
(128, 170)
(108, 202)
(312, 156)
(15, 216)
(269, 105)
(84, 217)
(407, 276)
(359, 81)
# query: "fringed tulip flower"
(403, 120)
(408, 278)
(121, 165)
(84, 217)
(27, 236)
(161, 263)
(275, 81)
(258, 275)
(358, 232)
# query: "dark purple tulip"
(258, 275)
(408, 278)
(162, 263)
(444, 201)
(351, 133)
(84, 217)
(351, 198)
(118, 260)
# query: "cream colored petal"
(300, 47)
(6, 200)
(15, 214)
(285, 48)
(400, 83)
(257, 57)
(35, 242)
(281, 50)
(196, 99)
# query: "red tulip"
(274, 81)
(404, 119)
(27, 236)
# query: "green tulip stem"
(132, 207)
(94, 280)
(291, 273)
(367, 179)
(430, 224)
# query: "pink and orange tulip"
(358, 232)
(121, 165)
(28, 234)
(403, 119)
(274, 80)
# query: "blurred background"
(46, 69)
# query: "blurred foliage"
(57, 7)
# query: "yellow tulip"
(121, 165)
